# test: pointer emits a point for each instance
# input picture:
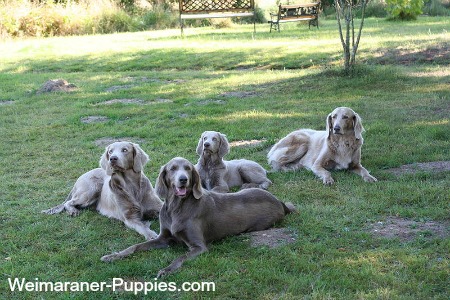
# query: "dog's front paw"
(369, 178)
(162, 273)
(328, 181)
(151, 235)
(110, 257)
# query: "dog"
(119, 189)
(196, 217)
(220, 175)
(339, 147)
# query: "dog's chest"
(209, 174)
(344, 150)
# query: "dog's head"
(343, 121)
(178, 178)
(123, 156)
(212, 142)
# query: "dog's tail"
(289, 208)
(58, 208)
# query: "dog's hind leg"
(287, 156)
(58, 208)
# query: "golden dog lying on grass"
(338, 147)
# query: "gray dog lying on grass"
(220, 175)
(119, 189)
(195, 217)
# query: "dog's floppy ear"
(104, 162)
(200, 145)
(197, 188)
(329, 122)
(140, 158)
(224, 147)
(161, 188)
(357, 126)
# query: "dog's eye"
(334, 116)
(187, 168)
(344, 117)
(173, 168)
(110, 151)
(124, 150)
(214, 139)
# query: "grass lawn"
(250, 87)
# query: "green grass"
(295, 80)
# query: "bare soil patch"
(122, 101)
(243, 94)
(436, 54)
(103, 142)
(407, 230)
(6, 102)
(57, 85)
(244, 143)
(115, 88)
(146, 79)
(272, 238)
(208, 101)
(435, 166)
(94, 119)
(134, 101)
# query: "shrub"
(160, 18)
(404, 9)
(437, 8)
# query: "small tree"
(345, 13)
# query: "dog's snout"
(113, 158)
(206, 145)
(337, 128)
(183, 179)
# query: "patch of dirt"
(206, 102)
(146, 79)
(57, 85)
(407, 230)
(435, 166)
(439, 54)
(160, 100)
(247, 143)
(241, 95)
(94, 119)
(115, 88)
(6, 102)
(103, 142)
(272, 238)
(134, 101)
(123, 101)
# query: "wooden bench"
(294, 13)
(205, 9)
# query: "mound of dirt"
(57, 85)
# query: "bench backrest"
(201, 6)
